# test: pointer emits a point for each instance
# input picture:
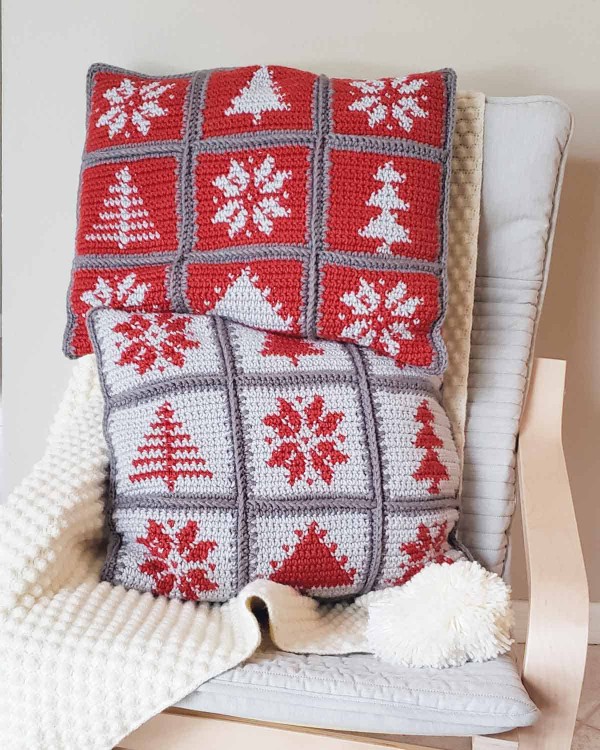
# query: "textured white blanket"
(83, 663)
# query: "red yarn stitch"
(428, 547)
(312, 563)
(307, 439)
(276, 345)
(431, 469)
(281, 97)
(168, 553)
(170, 450)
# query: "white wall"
(502, 48)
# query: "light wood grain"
(556, 644)
(190, 730)
(504, 741)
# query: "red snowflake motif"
(308, 442)
(429, 547)
(276, 345)
(175, 560)
(154, 341)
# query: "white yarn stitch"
(443, 617)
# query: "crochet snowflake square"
(414, 426)
(271, 353)
(174, 445)
(396, 205)
(141, 288)
(390, 311)
(305, 440)
(252, 197)
(258, 98)
(128, 207)
(126, 108)
(412, 540)
(183, 554)
(320, 552)
(263, 293)
(139, 350)
(413, 107)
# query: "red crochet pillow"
(270, 196)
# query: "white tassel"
(445, 616)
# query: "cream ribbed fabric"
(463, 229)
(84, 663)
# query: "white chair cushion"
(525, 141)
(360, 693)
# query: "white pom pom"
(445, 616)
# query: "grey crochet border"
(319, 140)
(246, 500)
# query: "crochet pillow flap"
(270, 196)
(238, 454)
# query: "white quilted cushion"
(525, 140)
(360, 693)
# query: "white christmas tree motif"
(135, 103)
(244, 296)
(385, 226)
(126, 293)
(251, 196)
(126, 220)
(379, 317)
(260, 94)
(396, 100)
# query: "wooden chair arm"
(556, 644)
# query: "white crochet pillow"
(239, 454)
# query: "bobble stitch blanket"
(85, 662)
(272, 196)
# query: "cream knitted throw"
(84, 663)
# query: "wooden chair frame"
(556, 643)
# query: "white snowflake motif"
(381, 318)
(133, 102)
(126, 293)
(251, 196)
(395, 100)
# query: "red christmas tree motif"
(154, 341)
(431, 469)
(175, 559)
(428, 547)
(168, 453)
(312, 563)
(276, 345)
(307, 442)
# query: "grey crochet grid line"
(298, 256)
(260, 449)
